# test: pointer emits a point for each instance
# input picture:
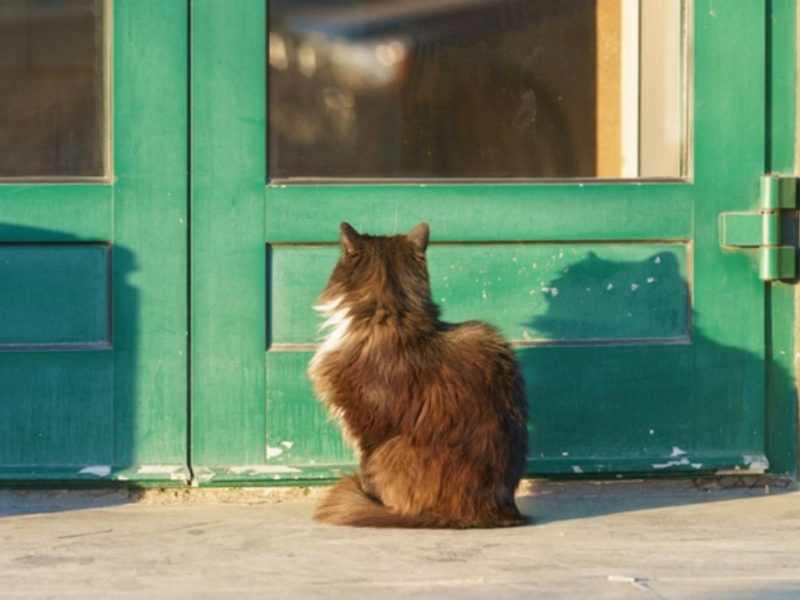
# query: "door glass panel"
(52, 91)
(472, 89)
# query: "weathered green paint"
(228, 248)
(86, 415)
(54, 296)
(602, 293)
(54, 212)
(483, 213)
(781, 338)
(682, 394)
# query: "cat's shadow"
(634, 380)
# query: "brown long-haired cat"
(436, 411)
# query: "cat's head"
(379, 276)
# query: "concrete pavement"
(669, 539)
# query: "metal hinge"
(772, 229)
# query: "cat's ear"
(420, 235)
(351, 240)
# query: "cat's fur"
(436, 411)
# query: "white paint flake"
(677, 452)
(652, 432)
(554, 291)
(755, 464)
(610, 286)
(98, 470)
(262, 470)
(273, 452)
(672, 463)
(175, 472)
(697, 465)
(288, 445)
(576, 469)
(634, 287)
(657, 260)
(651, 279)
(565, 454)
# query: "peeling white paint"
(755, 464)
(697, 465)
(634, 287)
(262, 470)
(652, 432)
(526, 335)
(677, 452)
(672, 463)
(273, 452)
(159, 469)
(554, 291)
(565, 454)
(484, 294)
(175, 472)
(651, 279)
(657, 260)
(287, 444)
(576, 469)
(98, 470)
(610, 286)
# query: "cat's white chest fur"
(337, 324)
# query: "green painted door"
(642, 341)
(93, 230)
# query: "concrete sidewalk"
(673, 539)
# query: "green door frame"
(228, 273)
(117, 411)
(783, 304)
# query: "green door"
(642, 340)
(93, 229)
(169, 209)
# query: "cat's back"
(474, 338)
(479, 354)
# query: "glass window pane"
(470, 89)
(52, 93)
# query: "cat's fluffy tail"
(348, 504)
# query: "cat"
(435, 411)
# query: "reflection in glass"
(473, 88)
(52, 115)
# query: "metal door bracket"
(772, 230)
